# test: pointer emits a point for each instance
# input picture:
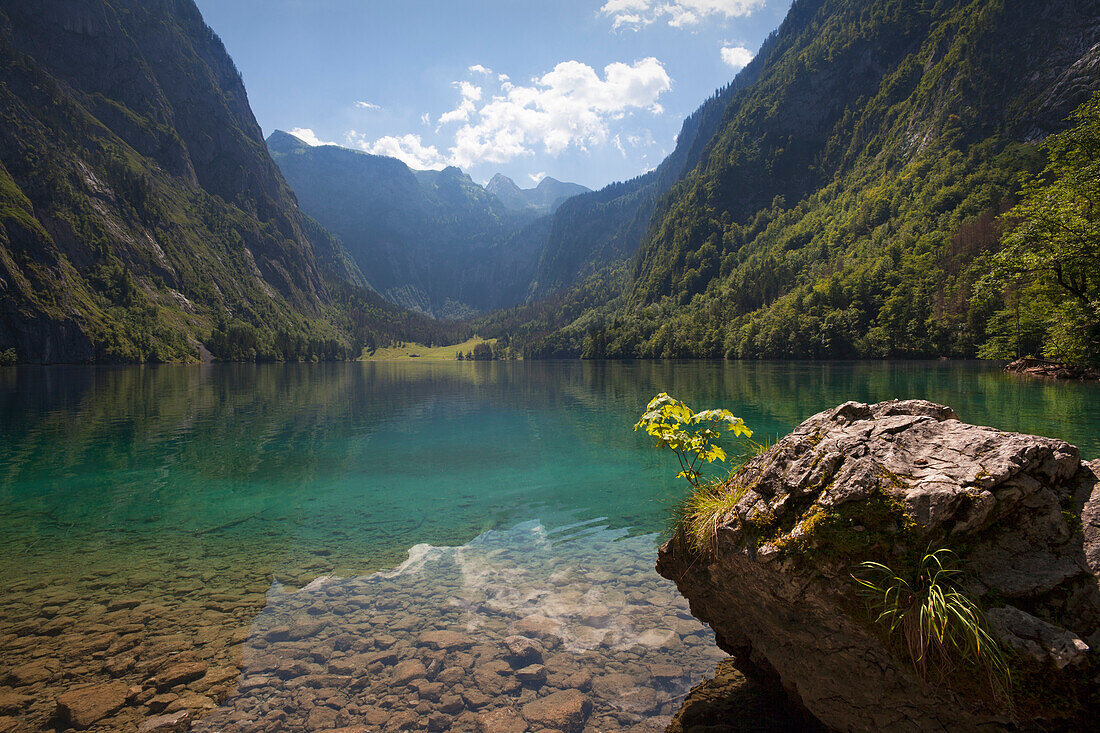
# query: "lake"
(310, 546)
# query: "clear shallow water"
(178, 497)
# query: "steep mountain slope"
(544, 198)
(139, 210)
(851, 185)
(434, 241)
(595, 234)
(592, 238)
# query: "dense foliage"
(847, 202)
(1046, 279)
(141, 218)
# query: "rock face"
(884, 482)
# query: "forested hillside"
(141, 217)
(592, 238)
(846, 202)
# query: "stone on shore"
(884, 482)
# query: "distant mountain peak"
(545, 197)
(283, 142)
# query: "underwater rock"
(176, 722)
(523, 651)
(84, 706)
(566, 710)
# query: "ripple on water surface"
(518, 628)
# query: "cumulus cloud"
(636, 14)
(569, 106)
(470, 94)
(537, 177)
(479, 69)
(307, 136)
(367, 105)
(737, 56)
(409, 149)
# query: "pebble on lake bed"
(518, 630)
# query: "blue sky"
(590, 91)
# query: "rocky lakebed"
(518, 630)
(570, 628)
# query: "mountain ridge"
(430, 240)
(545, 197)
(141, 218)
(839, 207)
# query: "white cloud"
(737, 56)
(307, 136)
(537, 177)
(636, 14)
(409, 149)
(367, 105)
(470, 94)
(479, 69)
(570, 106)
(426, 118)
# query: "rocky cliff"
(887, 483)
(139, 207)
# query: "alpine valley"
(843, 196)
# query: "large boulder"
(886, 482)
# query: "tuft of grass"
(698, 516)
(939, 627)
(751, 449)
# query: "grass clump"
(937, 625)
(698, 516)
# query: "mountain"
(849, 194)
(545, 198)
(586, 260)
(141, 217)
(433, 241)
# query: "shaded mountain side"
(544, 198)
(585, 264)
(433, 241)
(139, 210)
(850, 187)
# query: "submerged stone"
(84, 706)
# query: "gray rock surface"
(779, 594)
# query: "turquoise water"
(193, 486)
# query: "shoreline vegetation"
(412, 351)
(1031, 367)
